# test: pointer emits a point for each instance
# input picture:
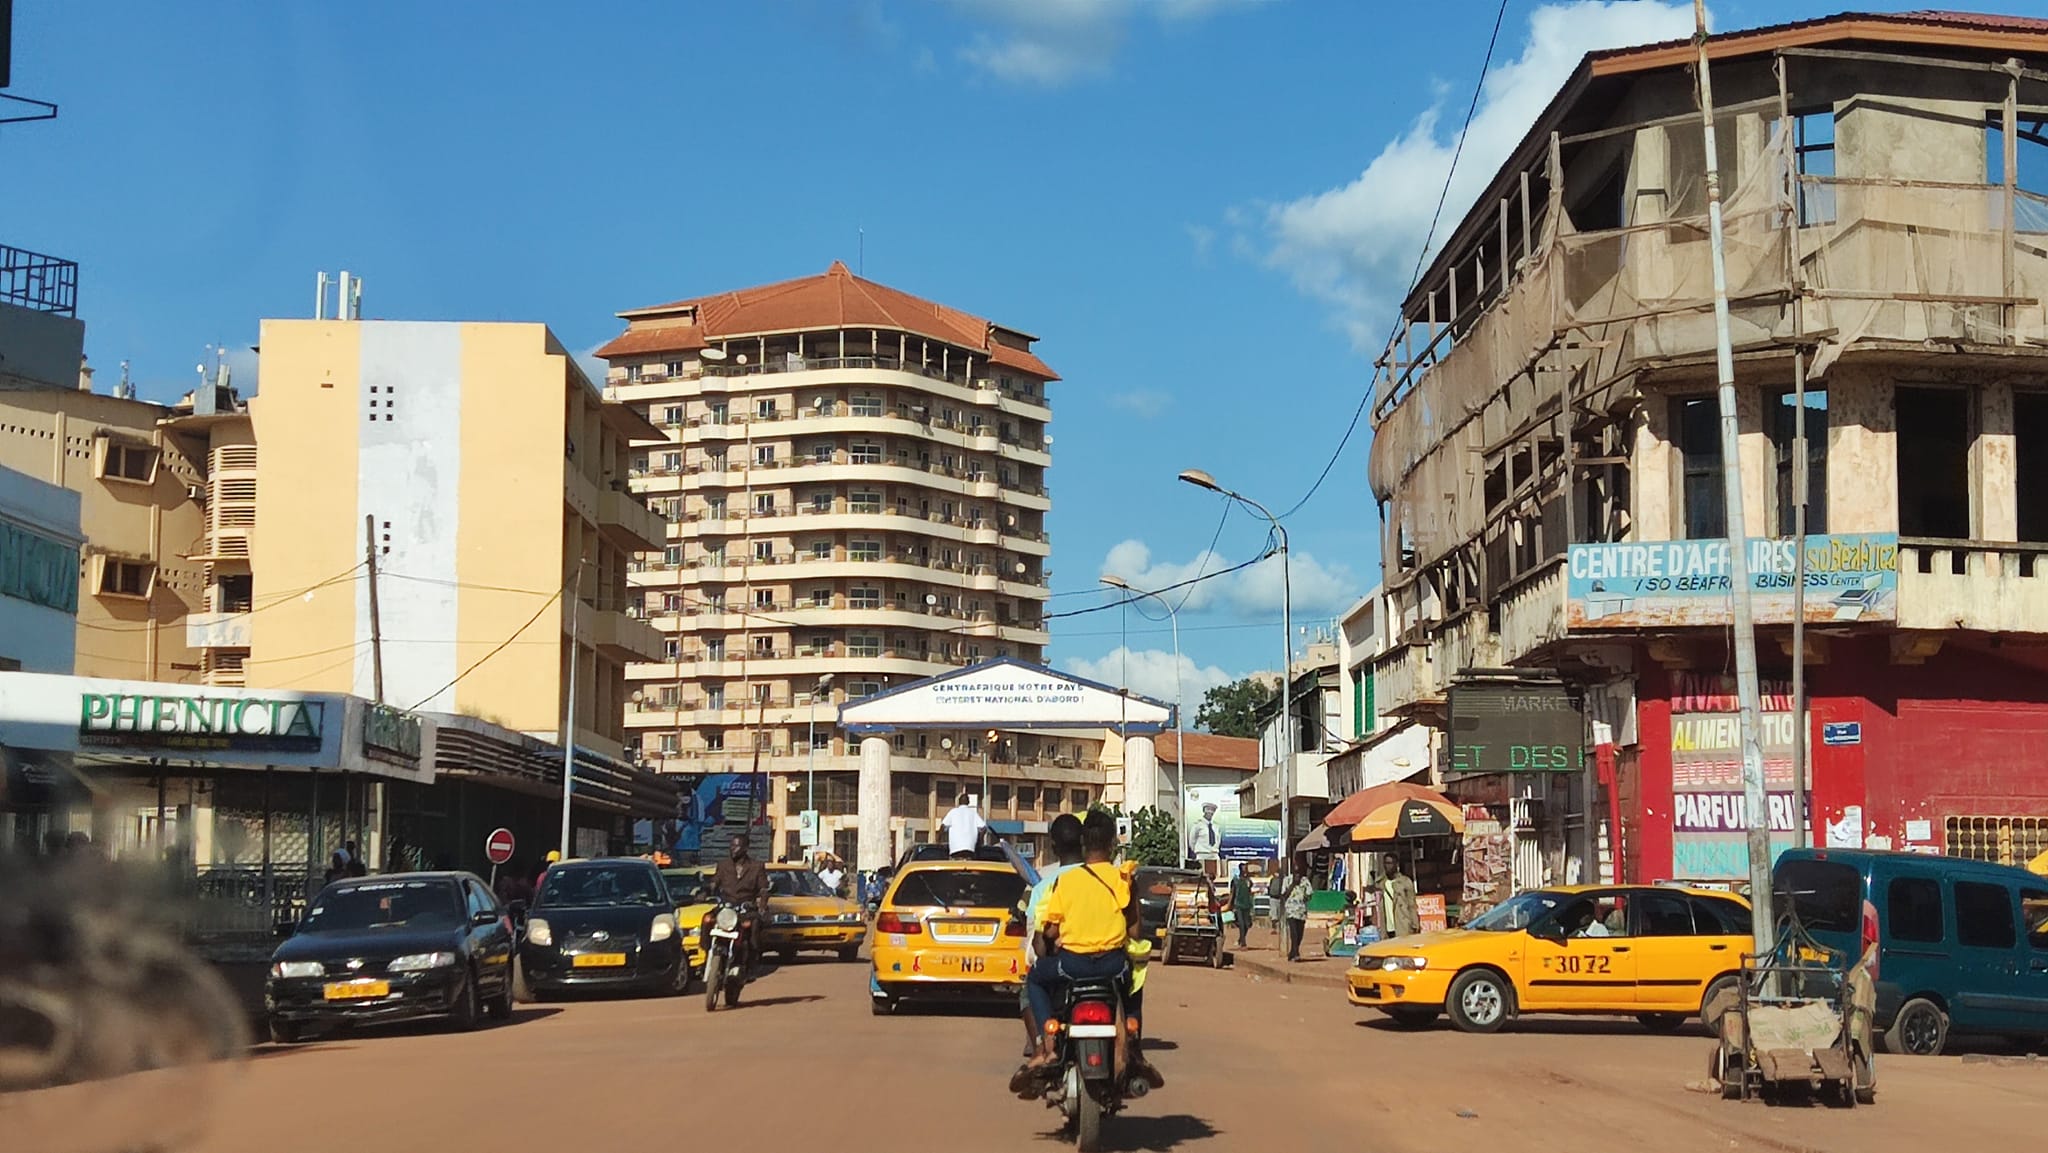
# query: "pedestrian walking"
(1276, 896)
(1241, 902)
(1296, 908)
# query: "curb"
(1285, 974)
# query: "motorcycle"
(728, 951)
(1092, 1073)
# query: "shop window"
(1783, 446)
(1696, 430)
(1984, 916)
(2030, 463)
(121, 460)
(1934, 462)
(126, 578)
(1913, 910)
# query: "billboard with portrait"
(1222, 834)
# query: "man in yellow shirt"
(1087, 921)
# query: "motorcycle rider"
(1087, 922)
(742, 881)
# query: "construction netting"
(1875, 260)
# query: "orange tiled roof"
(1211, 751)
(834, 299)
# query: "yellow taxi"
(1660, 954)
(949, 930)
(690, 887)
(803, 913)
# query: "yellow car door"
(1680, 948)
(1581, 958)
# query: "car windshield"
(1518, 912)
(959, 889)
(600, 885)
(796, 883)
(385, 905)
(685, 888)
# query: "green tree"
(1232, 710)
(1155, 840)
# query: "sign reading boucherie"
(1515, 728)
(197, 722)
(1656, 584)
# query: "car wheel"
(1411, 1017)
(1661, 1022)
(1722, 997)
(468, 1010)
(499, 1007)
(284, 1032)
(1480, 1001)
(1920, 1029)
(521, 991)
(882, 1006)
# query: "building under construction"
(1548, 460)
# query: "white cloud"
(1151, 674)
(1203, 238)
(1354, 246)
(592, 366)
(1053, 42)
(1252, 592)
(1144, 402)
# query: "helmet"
(554, 855)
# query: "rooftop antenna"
(124, 388)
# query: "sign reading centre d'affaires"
(1006, 693)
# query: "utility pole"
(569, 713)
(376, 629)
(1746, 694)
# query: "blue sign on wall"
(1659, 584)
(1842, 733)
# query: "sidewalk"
(1262, 959)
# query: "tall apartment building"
(493, 475)
(138, 485)
(1546, 444)
(855, 485)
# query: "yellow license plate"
(356, 990)
(600, 961)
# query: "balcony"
(629, 523)
(217, 630)
(1979, 586)
(622, 638)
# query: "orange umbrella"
(1395, 811)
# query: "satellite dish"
(931, 599)
(946, 743)
(1048, 441)
(714, 354)
(740, 359)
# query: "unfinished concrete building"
(1547, 455)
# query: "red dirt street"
(1251, 1065)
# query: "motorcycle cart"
(1802, 1021)
(1194, 925)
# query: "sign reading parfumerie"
(181, 722)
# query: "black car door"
(490, 945)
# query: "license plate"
(356, 990)
(599, 960)
(979, 932)
(725, 934)
(965, 966)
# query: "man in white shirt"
(832, 875)
(963, 826)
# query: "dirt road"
(1251, 1066)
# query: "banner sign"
(1660, 584)
(1515, 728)
(1729, 813)
(197, 722)
(1222, 834)
(391, 734)
(1005, 693)
(1706, 751)
(713, 809)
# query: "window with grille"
(764, 456)
(822, 598)
(865, 598)
(821, 452)
(864, 550)
(866, 453)
(764, 409)
(821, 549)
(863, 645)
(821, 502)
(2000, 840)
(866, 406)
(869, 502)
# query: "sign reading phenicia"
(498, 846)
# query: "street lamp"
(811, 754)
(986, 745)
(1200, 479)
(569, 712)
(1180, 780)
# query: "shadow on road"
(1155, 1045)
(1543, 1026)
(1126, 1133)
(765, 1002)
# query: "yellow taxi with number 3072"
(1659, 954)
(949, 930)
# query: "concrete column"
(1141, 774)
(874, 802)
(1994, 472)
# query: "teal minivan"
(1961, 944)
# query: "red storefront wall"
(1964, 734)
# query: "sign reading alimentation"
(1515, 728)
(198, 722)
(1658, 584)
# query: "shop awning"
(1319, 838)
(1396, 811)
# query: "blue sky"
(1203, 207)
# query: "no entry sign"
(498, 846)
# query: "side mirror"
(484, 918)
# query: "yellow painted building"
(489, 476)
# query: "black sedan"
(603, 924)
(391, 948)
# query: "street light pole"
(1180, 769)
(569, 715)
(811, 751)
(1200, 479)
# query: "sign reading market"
(201, 722)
